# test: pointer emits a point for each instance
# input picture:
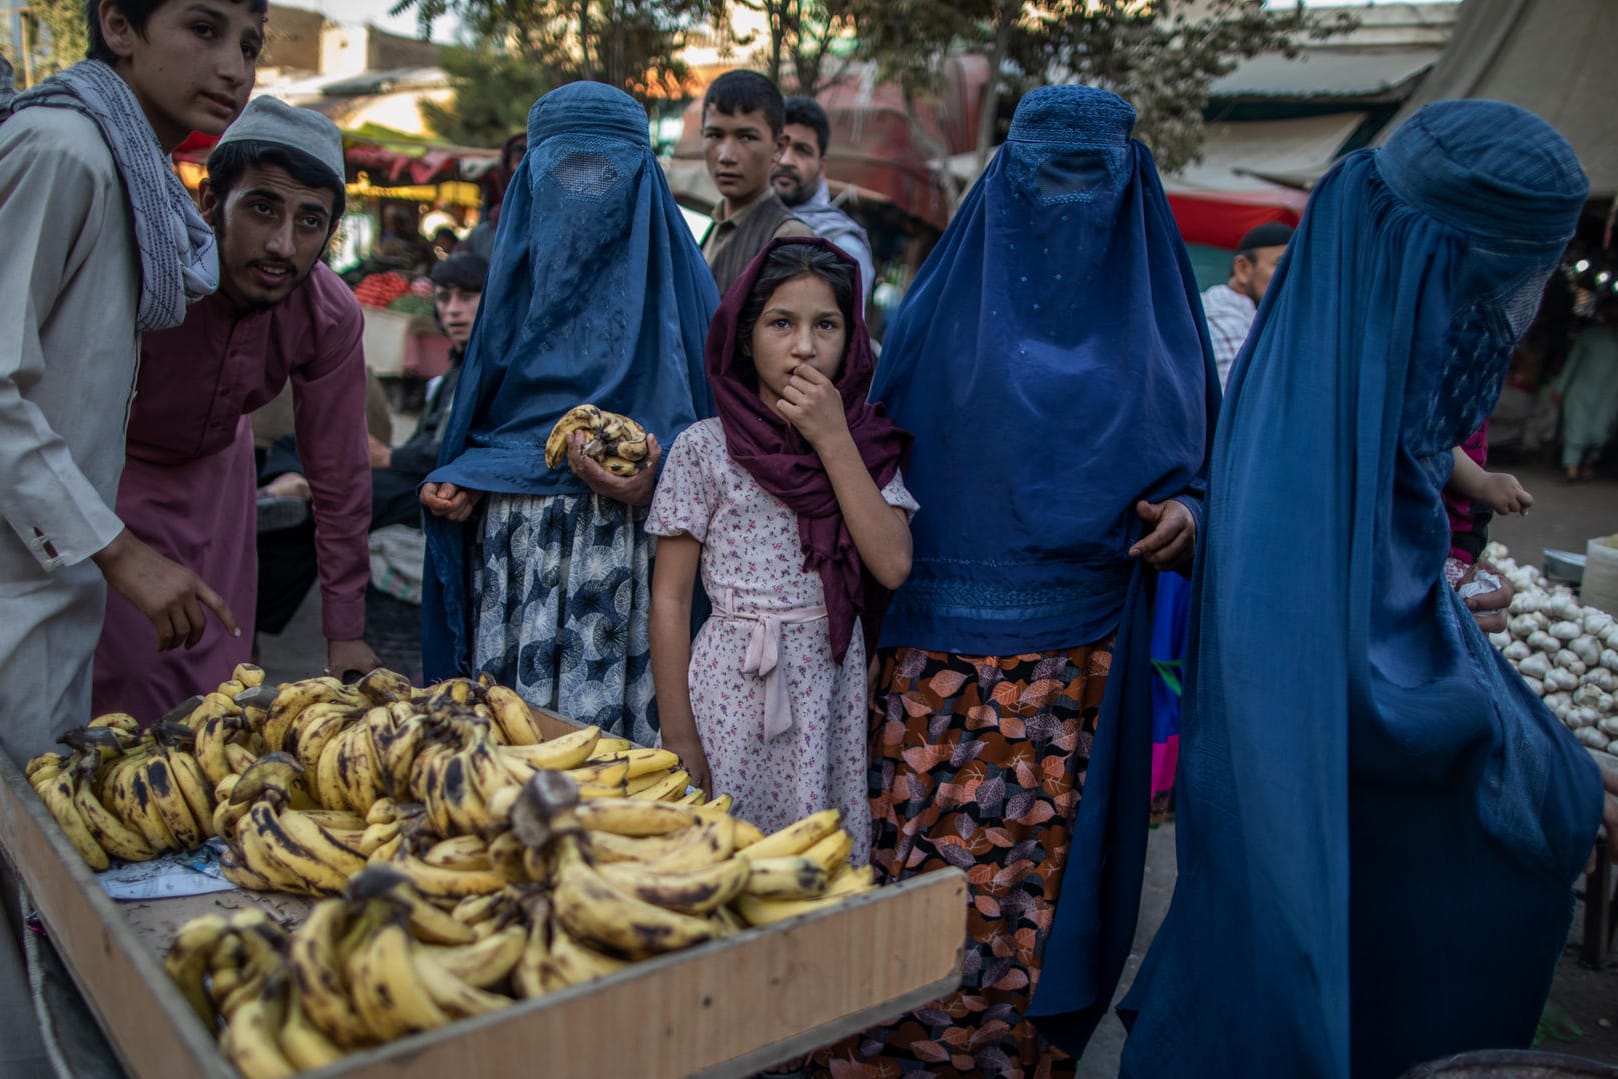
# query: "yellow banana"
(387, 992)
(586, 417)
(634, 816)
(234, 869)
(305, 1045)
(273, 775)
(531, 976)
(512, 718)
(607, 747)
(793, 876)
(132, 799)
(311, 837)
(240, 757)
(797, 837)
(186, 962)
(313, 731)
(571, 750)
(170, 804)
(756, 910)
(212, 735)
(620, 467)
(383, 686)
(318, 976)
(291, 866)
(292, 699)
(703, 844)
(328, 785)
(695, 891)
(832, 852)
(435, 882)
(194, 787)
(248, 674)
(212, 706)
(110, 833)
(572, 962)
(483, 963)
(120, 721)
(453, 995)
(594, 910)
(610, 773)
(666, 788)
(57, 794)
(252, 1038)
(851, 880)
(459, 852)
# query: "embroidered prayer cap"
(268, 119)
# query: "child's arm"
(881, 532)
(674, 574)
(1500, 491)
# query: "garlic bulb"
(1603, 679)
(1592, 737)
(1565, 631)
(1562, 678)
(1535, 686)
(1517, 651)
(1587, 648)
(1609, 724)
(1541, 641)
(1596, 622)
(1537, 665)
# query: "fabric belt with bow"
(764, 653)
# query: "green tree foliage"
(493, 92)
(632, 44)
(1161, 55)
(804, 35)
(56, 36)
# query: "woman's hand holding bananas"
(635, 490)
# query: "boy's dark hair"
(807, 111)
(462, 270)
(782, 265)
(736, 92)
(230, 159)
(137, 12)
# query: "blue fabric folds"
(596, 292)
(1052, 362)
(1378, 824)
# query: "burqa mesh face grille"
(586, 174)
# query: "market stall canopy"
(878, 143)
(1552, 57)
(1363, 76)
(1253, 173)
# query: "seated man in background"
(287, 556)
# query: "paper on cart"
(191, 872)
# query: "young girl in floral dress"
(792, 506)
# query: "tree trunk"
(988, 119)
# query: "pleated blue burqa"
(1378, 824)
(598, 293)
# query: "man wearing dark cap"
(274, 193)
(1230, 307)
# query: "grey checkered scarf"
(178, 258)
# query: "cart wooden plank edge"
(726, 1008)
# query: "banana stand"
(729, 1007)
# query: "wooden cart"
(726, 1008)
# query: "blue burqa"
(1378, 824)
(1052, 362)
(597, 293)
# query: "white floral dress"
(752, 568)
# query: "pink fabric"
(1165, 762)
(773, 453)
(186, 484)
(1458, 508)
(763, 657)
(158, 503)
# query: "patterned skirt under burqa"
(1002, 743)
(596, 293)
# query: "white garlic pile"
(1567, 654)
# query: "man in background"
(742, 140)
(1231, 307)
(800, 179)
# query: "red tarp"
(1220, 219)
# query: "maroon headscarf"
(774, 454)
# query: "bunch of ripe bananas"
(120, 792)
(555, 889)
(616, 442)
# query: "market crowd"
(936, 589)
